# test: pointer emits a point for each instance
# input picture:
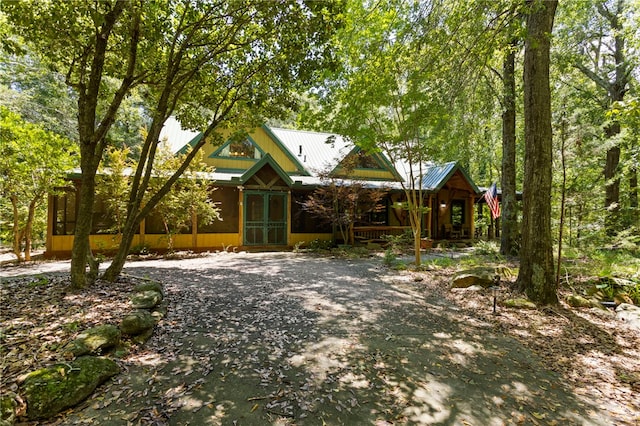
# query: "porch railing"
(367, 234)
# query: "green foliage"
(318, 245)
(390, 257)
(440, 262)
(38, 281)
(487, 248)
(113, 185)
(342, 201)
(33, 163)
(187, 199)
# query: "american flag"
(491, 196)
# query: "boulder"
(483, 278)
(578, 301)
(94, 340)
(50, 390)
(137, 322)
(629, 314)
(146, 299)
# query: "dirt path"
(280, 338)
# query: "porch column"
(429, 231)
(472, 223)
(141, 231)
(194, 230)
(50, 223)
(288, 230)
(240, 215)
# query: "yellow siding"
(64, 243)
(374, 174)
(161, 241)
(61, 243)
(218, 241)
(262, 139)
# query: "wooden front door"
(265, 218)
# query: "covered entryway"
(265, 216)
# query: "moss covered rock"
(481, 277)
(137, 322)
(146, 299)
(50, 390)
(95, 340)
(578, 301)
(149, 286)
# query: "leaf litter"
(252, 333)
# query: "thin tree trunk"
(633, 197)
(563, 198)
(17, 234)
(536, 275)
(509, 206)
(28, 228)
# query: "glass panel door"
(254, 219)
(277, 226)
(265, 218)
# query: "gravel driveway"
(283, 338)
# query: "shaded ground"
(280, 338)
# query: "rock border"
(46, 392)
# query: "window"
(64, 213)
(457, 212)
(366, 161)
(302, 221)
(227, 200)
(242, 148)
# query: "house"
(261, 180)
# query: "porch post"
(429, 231)
(288, 230)
(194, 230)
(50, 223)
(141, 231)
(472, 223)
(240, 215)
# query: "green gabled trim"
(467, 177)
(215, 153)
(284, 149)
(267, 159)
(388, 165)
(456, 166)
(380, 159)
(190, 144)
(230, 170)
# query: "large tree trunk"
(536, 276)
(81, 250)
(508, 243)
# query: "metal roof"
(435, 176)
(316, 151)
